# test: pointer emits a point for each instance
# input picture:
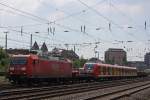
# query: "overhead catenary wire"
(42, 18)
(28, 34)
(123, 14)
(69, 15)
(46, 19)
(77, 44)
(47, 37)
(73, 15)
(23, 15)
(28, 14)
(39, 24)
(35, 15)
(106, 18)
(131, 19)
(14, 40)
(24, 12)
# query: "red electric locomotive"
(34, 68)
(107, 71)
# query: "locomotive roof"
(43, 57)
(20, 55)
(116, 66)
(29, 55)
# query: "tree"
(79, 63)
(76, 63)
(82, 62)
(4, 60)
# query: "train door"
(101, 69)
(106, 73)
(110, 71)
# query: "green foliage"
(76, 63)
(79, 63)
(82, 62)
(4, 60)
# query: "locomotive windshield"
(89, 66)
(18, 61)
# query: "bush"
(4, 60)
(79, 63)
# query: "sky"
(105, 24)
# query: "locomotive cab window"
(89, 66)
(18, 61)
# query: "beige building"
(115, 56)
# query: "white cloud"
(26, 5)
(60, 3)
(56, 15)
(125, 8)
(134, 9)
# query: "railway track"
(120, 92)
(55, 92)
(106, 93)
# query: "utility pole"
(6, 40)
(67, 45)
(98, 54)
(74, 49)
(31, 42)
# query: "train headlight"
(23, 68)
(11, 68)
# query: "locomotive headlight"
(11, 68)
(23, 68)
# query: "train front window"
(89, 66)
(18, 61)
